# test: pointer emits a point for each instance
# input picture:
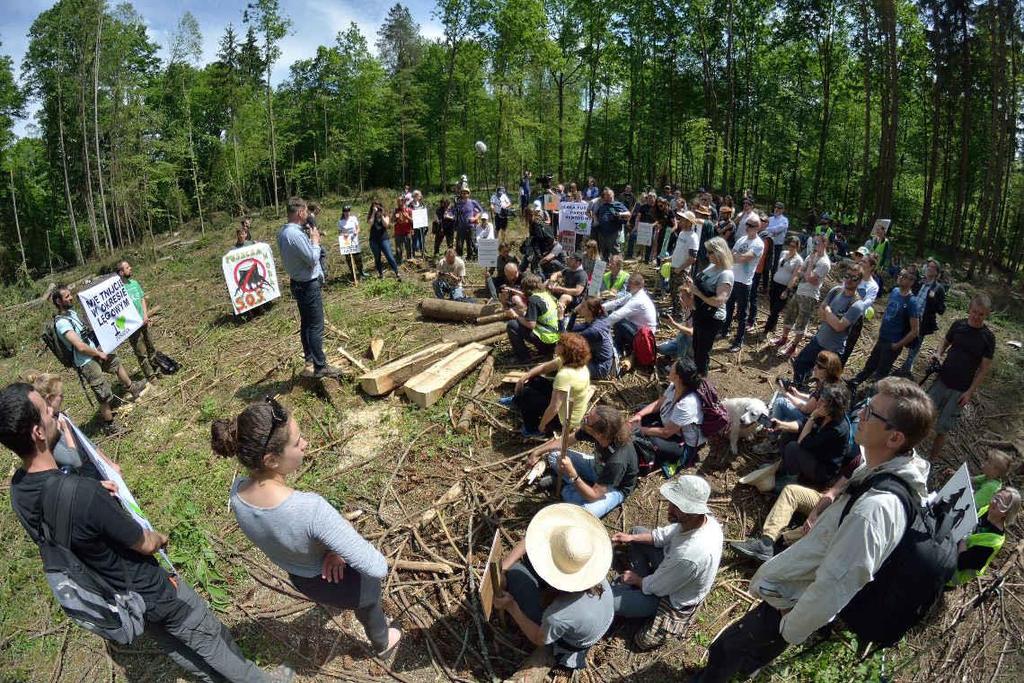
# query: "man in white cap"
(672, 568)
(568, 554)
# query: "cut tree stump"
(426, 388)
(459, 311)
(475, 334)
(380, 381)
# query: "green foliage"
(192, 552)
(390, 289)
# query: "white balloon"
(480, 146)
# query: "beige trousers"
(794, 498)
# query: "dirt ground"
(385, 462)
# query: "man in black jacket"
(932, 294)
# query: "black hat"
(578, 255)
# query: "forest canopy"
(889, 108)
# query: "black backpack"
(911, 580)
(52, 340)
(167, 365)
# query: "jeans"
(744, 647)
(199, 643)
(852, 336)
(607, 243)
(355, 592)
(681, 347)
(519, 336)
(403, 243)
(622, 336)
(739, 299)
(879, 363)
(644, 559)
(308, 296)
(784, 411)
(144, 350)
(804, 361)
(913, 349)
(775, 305)
(419, 240)
(446, 290)
(585, 468)
(379, 247)
(630, 244)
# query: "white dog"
(743, 416)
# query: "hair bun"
(224, 438)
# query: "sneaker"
(507, 402)
(760, 549)
(545, 483)
(282, 674)
(530, 433)
(139, 389)
(327, 371)
(787, 351)
(735, 348)
(669, 469)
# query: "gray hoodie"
(820, 574)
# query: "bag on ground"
(167, 365)
(645, 350)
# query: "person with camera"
(380, 240)
(89, 360)
(451, 274)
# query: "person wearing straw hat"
(567, 558)
(672, 568)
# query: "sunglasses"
(278, 417)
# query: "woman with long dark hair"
(380, 240)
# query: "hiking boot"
(139, 389)
(282, 674)
(760, 549)
(327, 371)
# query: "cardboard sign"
(574, 217)
(884, 223)
(108, 473)
(487, 252)
(111, 313)
(644, 234)
(490, 584)
(960, 493)
(597, 278)
(551, 201)
(250, 276)
(420, 218)
(348, 244)
(568, 242)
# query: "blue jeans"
(784, 410)
(913, 349)
(444, 290)
(644, 559)
(309, 298)
(752, 297)
(379, 247)
(585, 468)
(681, 347)
(739, 299)
(804, 362)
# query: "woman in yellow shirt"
(540, 400)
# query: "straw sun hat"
(568, 547)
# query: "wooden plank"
(376, 346)
(475, 334)
(426, 388)
(380, 381)
(459, 311)
(491, 583)
(513, 376)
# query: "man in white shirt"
(778, 226)
(500, 204)
(628, 314)
(684, 256)
(348, 225)
(812, 582)
(746, 252)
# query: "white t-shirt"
(348, 226)
(787, 266)
(484, 230)
(686, 241)
(778, 226)
(744, 272)
(819, 267)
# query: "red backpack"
(716, 417)
(645, 350)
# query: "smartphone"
(765, 421)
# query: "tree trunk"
(932, 169)
(192, 158)
(890, 110)
(90, 206)
(79, 257)
(962, 179)
(17, 226)
(865, 183)
(560, 81)
(273, 141)
(96, 126)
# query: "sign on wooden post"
(597, 278)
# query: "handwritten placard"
(596, 278)
(487, 252)
(574, 217)
(420, 218)
(644, 234)
(111, 312)
(348, 243)
(250, 276)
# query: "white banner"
(574, 217)
(111, 313)
(960, 493)
(487, 253)
(348, 244)
(596, 278)
(420, 218)
(644, 234)
(250, 276)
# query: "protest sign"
(883, 223)
(250, 276)
(551, 201)
(487, 253)
(108, 473)
(960, 494)
(111, 313)
(420, 218)
(644, 234)
(348, 244)
(573, 217)
(596, 278)
(568, 242)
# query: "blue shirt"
(599, 336)
(464, 211)
(591, 192)
(898, 312)
(300, 257)
(69, 321)
(607, 218)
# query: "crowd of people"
(843, 462)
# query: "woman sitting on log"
(558, 594)
(325, 557)
(539, 400)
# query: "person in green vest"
(994, 468)
(538, 326)
(615, 277)
(140, 340)
(979, 549)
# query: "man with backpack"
(109, 581)
(856, 562)
(899, 328)
(140, 340)
(75, 347)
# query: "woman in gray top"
(325, 557)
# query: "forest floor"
(392, 461)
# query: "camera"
(545, 180)
(765, 421)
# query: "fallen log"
(475, 334)
(415, 566)
(483, 380)
(492, 318)
(381, 380)
(459, 311)
(426, 388)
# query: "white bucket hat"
(568, 547)
(688, 493)
(763, 478)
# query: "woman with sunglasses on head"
(793, 406)
(325, 557)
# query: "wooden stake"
(352, 265)
(355, 361)
(562, 454)
(376, 346)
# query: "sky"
(314, 23)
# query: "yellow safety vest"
(985, 539)
(547, 322)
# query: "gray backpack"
(85, 597)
